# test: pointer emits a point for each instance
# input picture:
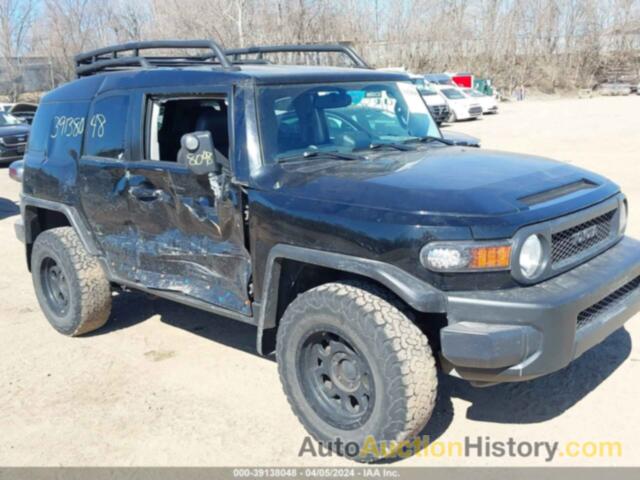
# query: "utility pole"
(377, 23)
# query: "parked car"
(489, 104)
(14, 134)
(436, 103)
(439, 79)
(16, 169)
(24, 111)
(615, 88)
(461, 106)
(359, 256)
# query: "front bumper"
(522, 333)
(440, 113)
(19, 229)
(11, 153)
(9, 157)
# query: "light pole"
(377, 24)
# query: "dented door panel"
(104, 202)
(189, 241)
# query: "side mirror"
(198, 153)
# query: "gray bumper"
(19, 228)
(522, 333)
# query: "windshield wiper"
(321, 153)
(397, 146)
(430, 138)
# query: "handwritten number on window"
(71, 127)
(97, 123)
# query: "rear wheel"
(355, 368)
(71, 287)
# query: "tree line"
(544, 44)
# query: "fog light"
(531, 256)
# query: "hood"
(14, 130)
(466, 102)
(434, 99)
(436, 180)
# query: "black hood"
(449, 180)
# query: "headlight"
(466, 256)
(622, 223)
(531, 256)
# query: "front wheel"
(356, 369)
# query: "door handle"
(148, 194)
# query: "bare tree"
(16, 19)
(548, 44)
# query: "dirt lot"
(163, 384)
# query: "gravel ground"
(163, 384)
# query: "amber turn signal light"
(490, 257)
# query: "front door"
(190, 238)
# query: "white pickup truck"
(435, 102)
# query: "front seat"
(216, 122)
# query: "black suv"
(324, 206)
(14, 134)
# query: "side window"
(66, 129)
(169, 119)
(57, 128)
(106, 128)
(40, 129)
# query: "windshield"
(452, 93)
(474, 93)
(340, 117)
(6, 120)
(423, 86)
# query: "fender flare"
(72, 214)
(415, 292)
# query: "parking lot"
(164, 384)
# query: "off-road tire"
(398, 353)
(89, 291)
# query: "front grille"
(14, 140)
(475, 110)
(581, 238)
(608, 303)
(439, 110)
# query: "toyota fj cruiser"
(323, 206)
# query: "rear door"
(102, 181)
(189, 240)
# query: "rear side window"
(57, 129)
(65, 129)
(105, 131)
(40, 130)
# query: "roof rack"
(236, 53)
(105, 59)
